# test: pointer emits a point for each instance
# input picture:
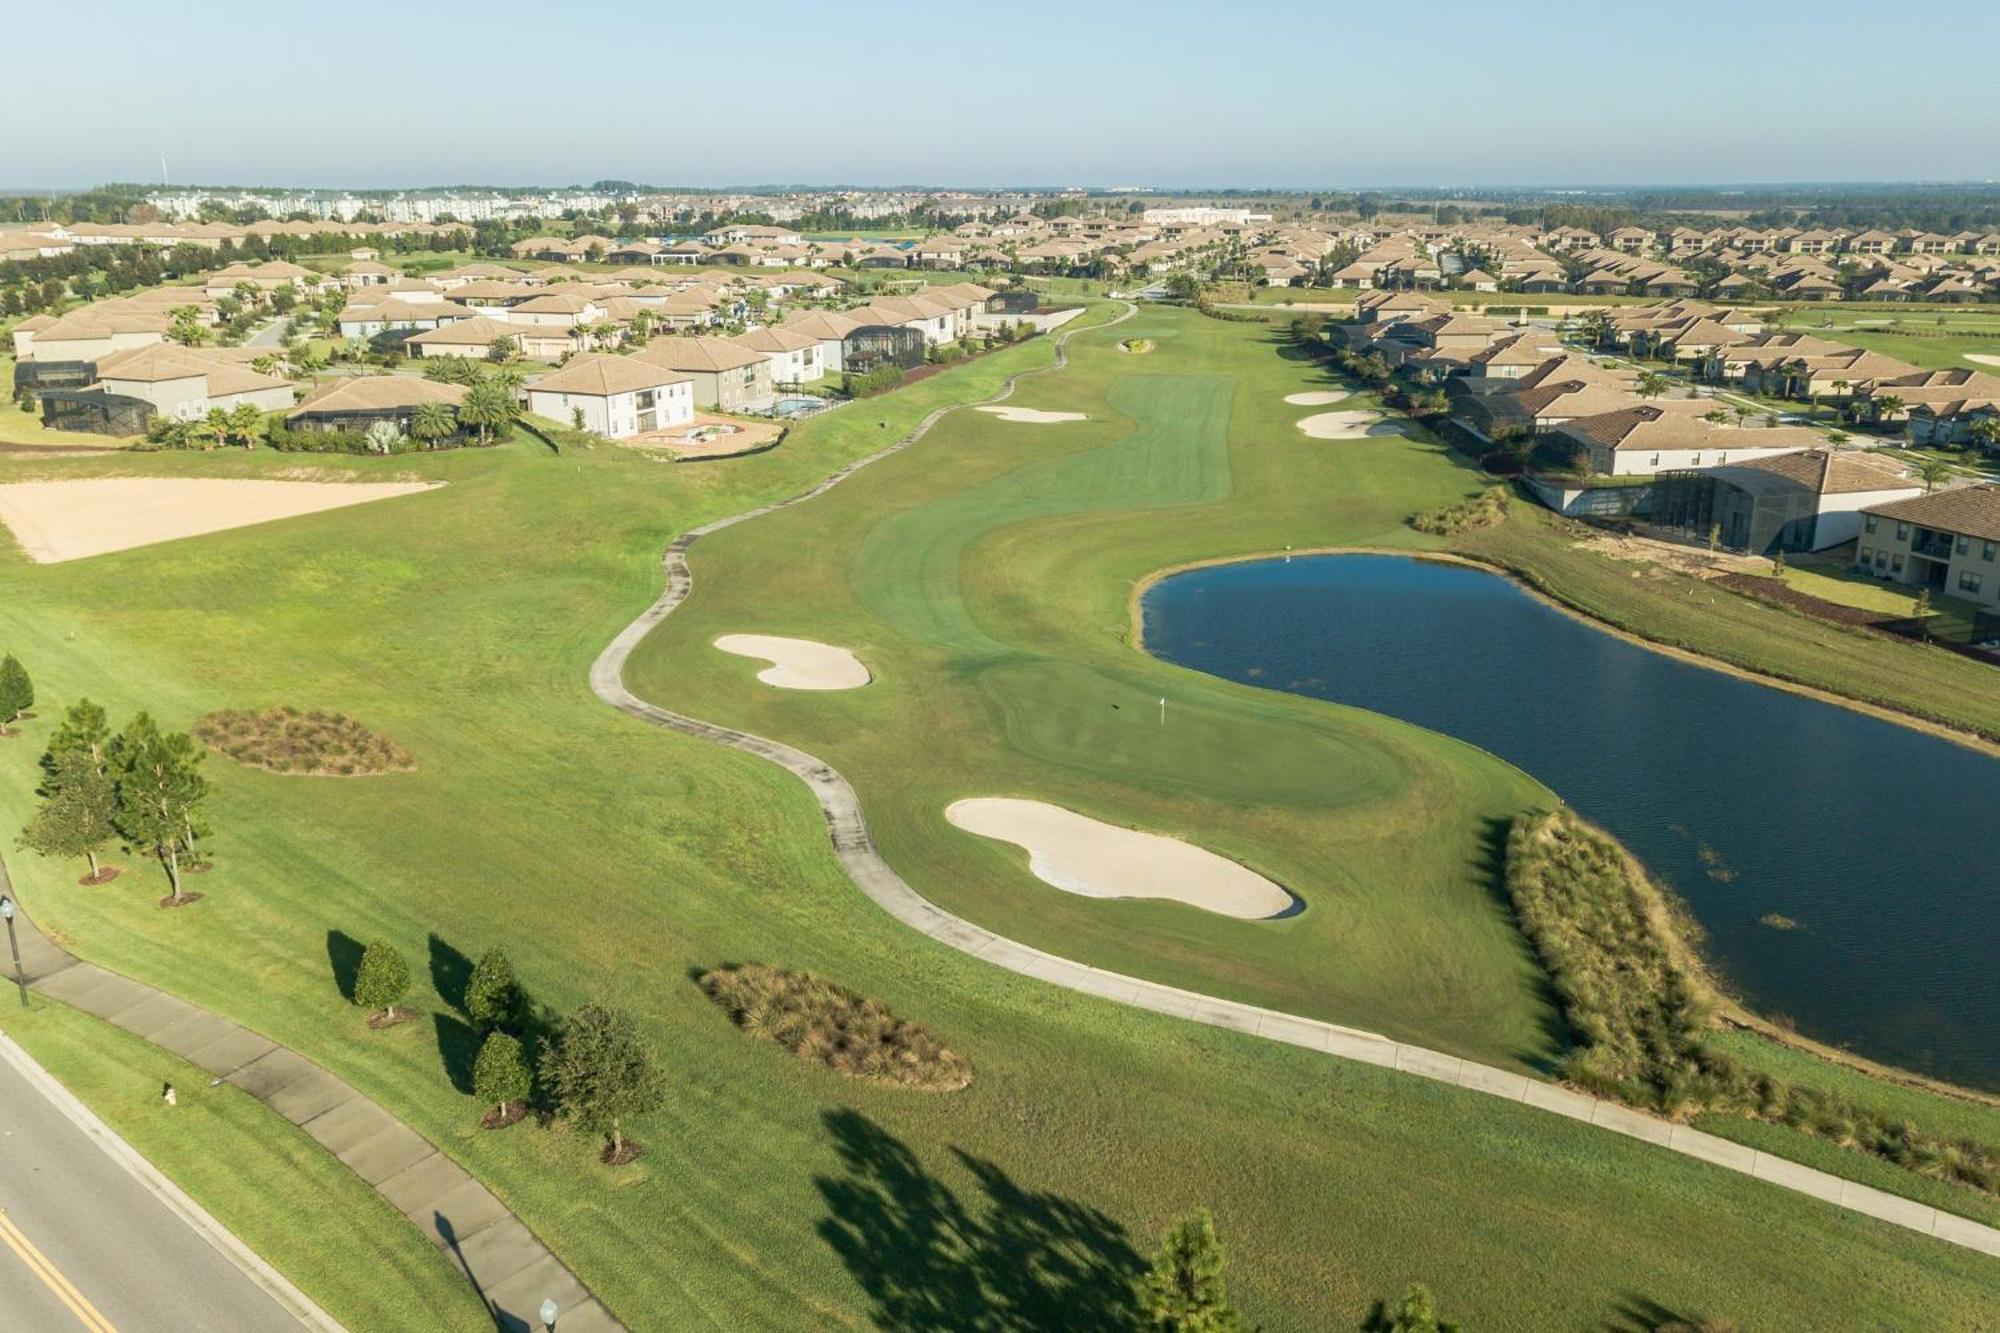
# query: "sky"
(1170, 94)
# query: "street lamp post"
(548, 1314)
(14, 947)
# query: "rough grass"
(288, 740)
(1482, 511)
(831, 1025)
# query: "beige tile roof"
(1972, 510)
(701, 354)
(375, 393)
(600, 376)
(1829, 473)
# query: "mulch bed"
(1783, 594)
(104, 876)
(182, 901)
(390, 1019)
(630, 1153)
(501, 1117)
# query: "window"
(1902, 532)
(1964, 543)
(1868, 523)
(1987, 553)
(1897, 565)
(1861, 556)
(1969, 581)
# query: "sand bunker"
(799, 664)
(1033, 415)
(1097, 860)
(1983, 358)
(1316, 397)
(68, 520)
(1339, 425)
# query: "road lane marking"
(52, 1277)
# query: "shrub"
(382, 981)
(600, 1073)
(286, 740)
(17, 692)
(1482, 511)
(493, 999)
(500, 1076)
(820, 1021)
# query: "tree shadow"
(1023, 1260)
(451, 972)
(458, 1049)
(1643, 1314)
(343, 955)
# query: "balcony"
(1932, 544)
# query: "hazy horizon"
(1307, 96)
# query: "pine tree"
(83, 728)
(1186, 1292)
(160, 789)
(76, 817)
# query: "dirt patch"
(103, 876)
(1784, 594)
(513, 1113)
(799, 664)
(623, 1154)
(710, 435)
(831, 1025)
(1694, 561)
(186, 899)
(70, 520)
(312, 743)
(390, 1018)
(1093, 859)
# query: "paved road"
(85, 1245)
(271, 335)
(875, 877)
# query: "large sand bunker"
(1983, 358)
(799, 664)
(1316, 397)
(1339, 425)
(1033, 415)
(68, 520)
(1097, 860)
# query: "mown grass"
(280, 1192)
(613, 861)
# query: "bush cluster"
(287, 740)
(823, 1022)
(1482, 511)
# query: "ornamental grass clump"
(290, 740)
(834, 1026)
(1484, 510)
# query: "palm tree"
(246, 422)
(1651, 384)
(1931, 471)
(215, 426)
(431, 422)
(489, 406)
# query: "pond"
(1846, 870)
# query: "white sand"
(1033, 415)
(68, 520)
(799, 664)
(1339, 425)
(1983, 358)
(1097, 860)
(1316, 397)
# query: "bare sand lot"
(1086, 856)
(799, 664)
(1033, 415)
(1316, 397)
(1983, 358)
(68, 520)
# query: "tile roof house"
(615, 396)
(1656, 437)
(1948, 541)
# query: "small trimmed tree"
(1186, 1292)
(600, 1073)
(17, 692)
(77, 813)
(382, 980)
(500, 1075)
(493, 998)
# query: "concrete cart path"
(512, 1271)
(876, 878)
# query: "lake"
(1880, 844)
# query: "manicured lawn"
(985, 575)
(358, 1258)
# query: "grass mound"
(1482, 511)
(286, 740)
(814, 1018)
(1643, 1013)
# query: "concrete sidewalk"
(512, 1271)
